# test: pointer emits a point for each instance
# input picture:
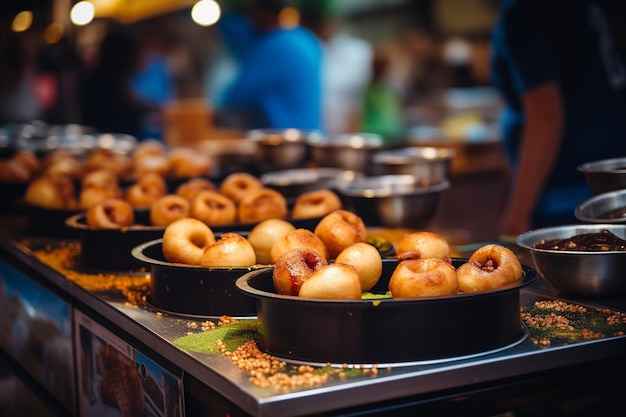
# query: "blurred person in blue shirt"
(278, 84)
(153, 80)
(564, 84)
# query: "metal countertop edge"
(403, 381)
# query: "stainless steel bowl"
(392, 200)
(605, 175)
(351, 151)
(589, 274)
(281, 148)
(424, 162)
(603, 208)
(293, 182)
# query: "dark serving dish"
(110, 249)
(193, 289)
(379, 331)
(13, 196)
(46, 222)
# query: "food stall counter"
(175, 366)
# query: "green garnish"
(232, 335)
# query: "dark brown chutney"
(602, 241)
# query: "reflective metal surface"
(360, 391)
(605, 175)
(589, 274)
(393, 200)
(603, 208)
(424, 162)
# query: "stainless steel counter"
(397, 386)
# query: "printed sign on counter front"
(36, 331)
(117, 380)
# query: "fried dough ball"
(28, 160)
(168, 208)
(99, 185)
(102, 158)
(61, 163)
(213, 208)
(262, 204)
(333, 282)
(102, 178)
(187, 162)
(192, 187)
(422, 244)
(154, 179)
(315, 204)
(297, 239)
(53, 191)
(367, 261)
(93, 195)
(149, 147)
(423, 277)
(293, 268)
(230, 250)
(54, 156)
(184, 241)
(146, 190)
(113, 213)
(13, 171)
(263, 236)
(340, 229)
(490, 267)
(239, 184)
(156, 163)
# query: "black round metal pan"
(194, 289)
(110, 249)
(377, 331)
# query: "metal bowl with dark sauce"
(586, 242)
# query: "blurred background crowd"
(524, 92)
(399, 53)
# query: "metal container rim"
(528, 239)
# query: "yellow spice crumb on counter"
(63, 259)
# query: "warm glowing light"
(289, 17)
(22, 21)
(53, 33)
(206, 12)
(82, 13)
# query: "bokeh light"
(22, 21)
(82, 13)
(53, 33)
(289, 17)
(205, 12)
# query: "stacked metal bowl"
(349, 151)
(587, 260)
(406, 189)
(279, 149)
(607, 181)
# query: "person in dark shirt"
(564, 84)
(109, 104)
